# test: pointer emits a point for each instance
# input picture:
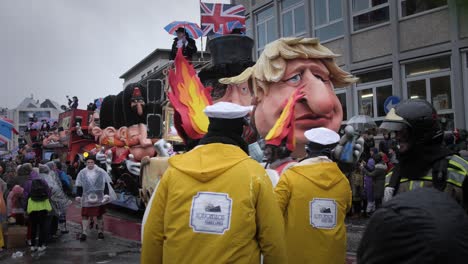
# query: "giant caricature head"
(230, 55)
(288, 64)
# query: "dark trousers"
(357, 207)
(53, 227)
(378, 203)
(39, 225)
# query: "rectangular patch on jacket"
(322, 213)
(211, 213)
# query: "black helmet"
(417, 115)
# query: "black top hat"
(230, 56)
(181, 30)
(90, 157)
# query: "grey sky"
(53, 48)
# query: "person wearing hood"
(37, 195)
(3, 213)
(424, 160)
(378, 178)
(59, 199)
(15, 206)
(214, 204)
(422, 226)
(22, 174)
(314, 197)
(65, 179)
(92, 190)
(369, 165)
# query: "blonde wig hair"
(271, 65)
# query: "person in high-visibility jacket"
(314, 196)
(424, 160)
(215, 204)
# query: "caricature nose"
(232, 95)
(319, 96)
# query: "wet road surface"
(122, 241)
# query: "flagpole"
(201, 37)
(201, 40)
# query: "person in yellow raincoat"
(3, 212)
(314, 196)
(215, 204)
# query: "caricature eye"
(319, 77)
(295, 79)
(244, 90)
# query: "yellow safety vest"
(456, 175)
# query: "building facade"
(154, 66)
(32, 108)
(404, 48)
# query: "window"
(430, 80)
(149, 72)
(373, 88)
(155, 68)
(410, 7)
(143, 76)
(427, 66)
(248, 27)
(341, 94)
(368, 13)
(464, 58)
(266, 28)
(328, 22)
(293, 18)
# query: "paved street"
(67, 249)
(121, 243)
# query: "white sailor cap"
(226, 110)
(322, 136)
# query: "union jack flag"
(215, 17)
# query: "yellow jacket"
(214, 204)
(314, 198)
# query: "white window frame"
(292, 9)
(371, 85)
(247, 28)
(400, 11)
(464, 56)
(328, 23)
(367, 10)
(427, 77)
(264, 21)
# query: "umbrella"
(192, 29)
(362, 122)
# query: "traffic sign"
(390, 103)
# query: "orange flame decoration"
(189, 98)
(284, 126)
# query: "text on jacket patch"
(322, 213)
(210, 213)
